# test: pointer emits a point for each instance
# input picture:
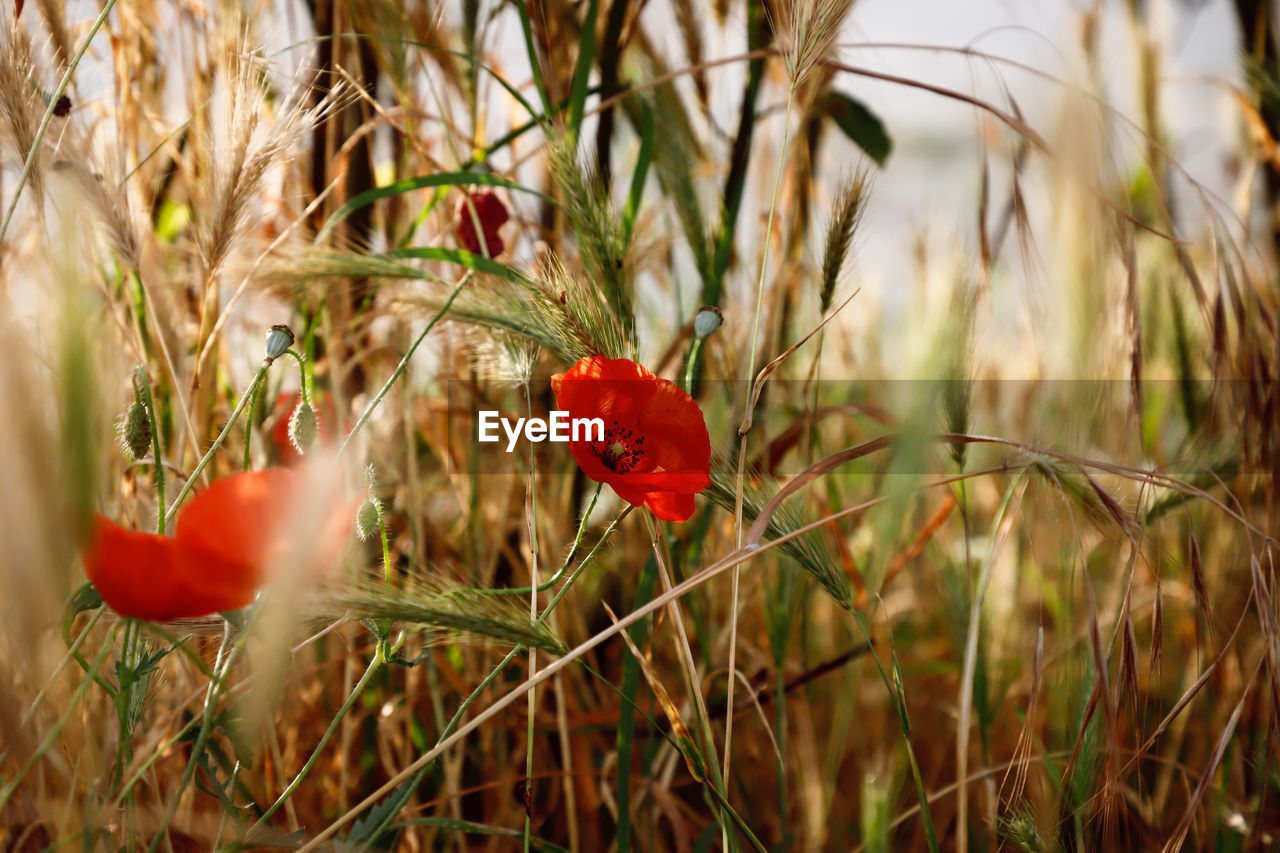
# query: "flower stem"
(742, 448)
(217, 443)
(531, 698)
(559, 575)
(404, 362)
(375, 664)
(221, 668)
(691, 363)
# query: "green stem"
(304, 385)
(375, 664)
(742, 444)
(48, 116)
(217, 443)
(556, 578)
(221, 668)
(404, 362)
(123, 699)
(533, 613)
(248, 423)
(691, 364)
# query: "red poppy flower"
(491, 212)
(225, 539)
(655, 451)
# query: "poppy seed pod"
(135, 430)
(279, 339)
(302, 427)
(707, 320)
(367, 521)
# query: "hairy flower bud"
(135, 430)
(367, 520)
(302, 427)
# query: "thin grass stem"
(404, 363)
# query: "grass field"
(980, 556)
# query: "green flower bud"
(367, 520)
(135, 430)
(302, 427)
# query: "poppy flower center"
(621, 450)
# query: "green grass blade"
(640, 174)
(627, 714)
(535, 67)
(463, 258)
(442, 179)
(586, 57)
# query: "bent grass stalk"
(404, 362)
(217, 443)
(375, 664)
(734, 558)
(742, 442)
(685, 651)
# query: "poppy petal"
(148, 576)
(239, 517)
(670, 506)
(656, 451)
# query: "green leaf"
(586, 56)
(441, 179)
(84, 598)
(370, 828)
(641, 172)
(858, 123)
(479, 263)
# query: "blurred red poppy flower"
(491, 212)
(655, 451)
(225, 541)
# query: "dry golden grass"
(993, 568)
